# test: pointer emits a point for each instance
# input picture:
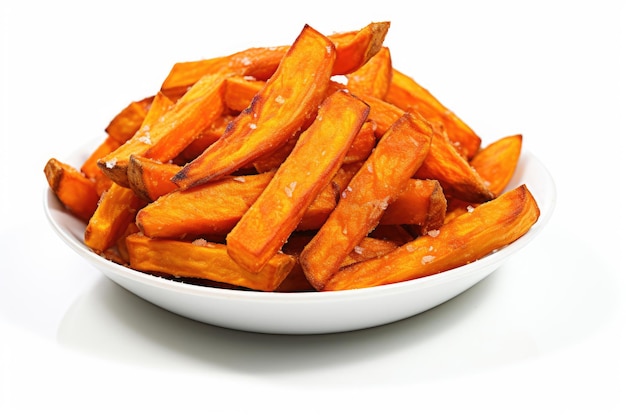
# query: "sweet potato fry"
(276, 114)
(496, 163)
(379, 181)
(317, 156)
(73, 189)
(150, 179)
(90, 166)
(469, 237)
(115, 164)
(207, 137)
(201, 259)
(454, 173)
(407, 94)
(421, 204)
(124, 125)
(239, 92)
(374, 77)
(116, 210)
(259, 63)
(354, 49)
(210, 209)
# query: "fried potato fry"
(73, 189)
(116, 210)
(379, 181)
(407, 94)
(473, 235)
(317, 156)
(276, 114)
(202, 259)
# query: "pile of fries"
(314, 166)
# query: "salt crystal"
(279, 99)
(427, 259)
(433, 233)
(240, 179)
(252, 126)
(358, 250)
(370, 168)
(110, 164)
(410, 248)
(199, 242)
(470, 209)
(289, 189)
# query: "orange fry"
(276, 114)
(150, 179)
(377, 184)
(210, 209)
(407, 94)
(73, 189)
(374, 77)
(465, 239)
(317, 156)
(116, 210)
(124, 125)
(201, 259)
(496, 163)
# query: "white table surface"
(545, 333)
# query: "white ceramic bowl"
(306, 313)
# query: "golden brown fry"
(469, 237)
(354, 49)
(377, 184)
(276, 114)
(407, 94)
(73, 189)
(202, 259)
(116, 210)
(496, 163)
(317, 156)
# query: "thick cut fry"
(239, 92)
(115, 164)
(124, 125)
(276, 114)
(374, 77)
(422, 204)
(210, 209)
(73, 189)
(116, 210)
(496, 163)
(317, 156)
(201, 259)
(469, 237)
(377, 184)
(150, 179)
(407, 94)
(457, 177)
(207, 137)
(353, 50)
(91, 169)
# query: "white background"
(545, 333)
